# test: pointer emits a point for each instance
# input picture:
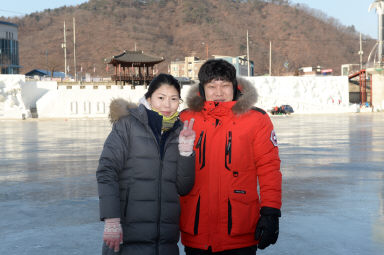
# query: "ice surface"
(333, 188)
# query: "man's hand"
(113, 233)
(267, 229)
(187, 138)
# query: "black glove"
(267, 229)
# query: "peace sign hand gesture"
(187, 138)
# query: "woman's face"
(165, 100)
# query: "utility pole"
(361, 54)
(248, 54)
(46, 60)
(74, 48)
(64, 46)
(270, 58)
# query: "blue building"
(9, 48)
(240, 63)
(45, 73)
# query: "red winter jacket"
(236, 150)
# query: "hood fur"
(245, 101)
(119, 108)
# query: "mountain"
(300, 36)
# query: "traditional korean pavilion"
(133, 67)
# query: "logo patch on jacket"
(274, 138)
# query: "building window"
(100, 107)
(73, 107)
(87, 107)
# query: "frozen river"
(333, 185)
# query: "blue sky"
(348, 12)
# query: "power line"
(23, 13)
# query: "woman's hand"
(113, 233)
(187, 138)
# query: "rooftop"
(134, 58)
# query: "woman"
(146, 163)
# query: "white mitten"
(187, 138)
(113, 233)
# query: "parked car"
(184, 80)
(283, 109)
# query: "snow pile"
(318, 94)
(11, 102)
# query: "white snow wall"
(11, 102)
(317, 94)
(17, 95)
(310, 94)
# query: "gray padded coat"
(139, 187)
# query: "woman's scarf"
(168, 122)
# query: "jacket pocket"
(200, 146)
(190, 212)
(243, 212)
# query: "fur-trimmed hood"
(245, 101)
(119, 108)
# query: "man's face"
(218, 91)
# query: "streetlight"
(64, 46)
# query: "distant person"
(146, 163)
(236, 153)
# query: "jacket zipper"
(159, 189)
(228, 150)
(159, 208)
(159, 194)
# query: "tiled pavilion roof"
(135, 58)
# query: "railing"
(133, 78)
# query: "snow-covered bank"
(11, 102)
(305, 94)
(320, 94)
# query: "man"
(236, 152)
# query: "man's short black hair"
(217, 69)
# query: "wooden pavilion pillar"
(147, 76)
(133, 73)
(115, 75)
(145, 84)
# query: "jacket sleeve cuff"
(109, 207)
(185, 174)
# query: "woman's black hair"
(217, 69)
(160, 80)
